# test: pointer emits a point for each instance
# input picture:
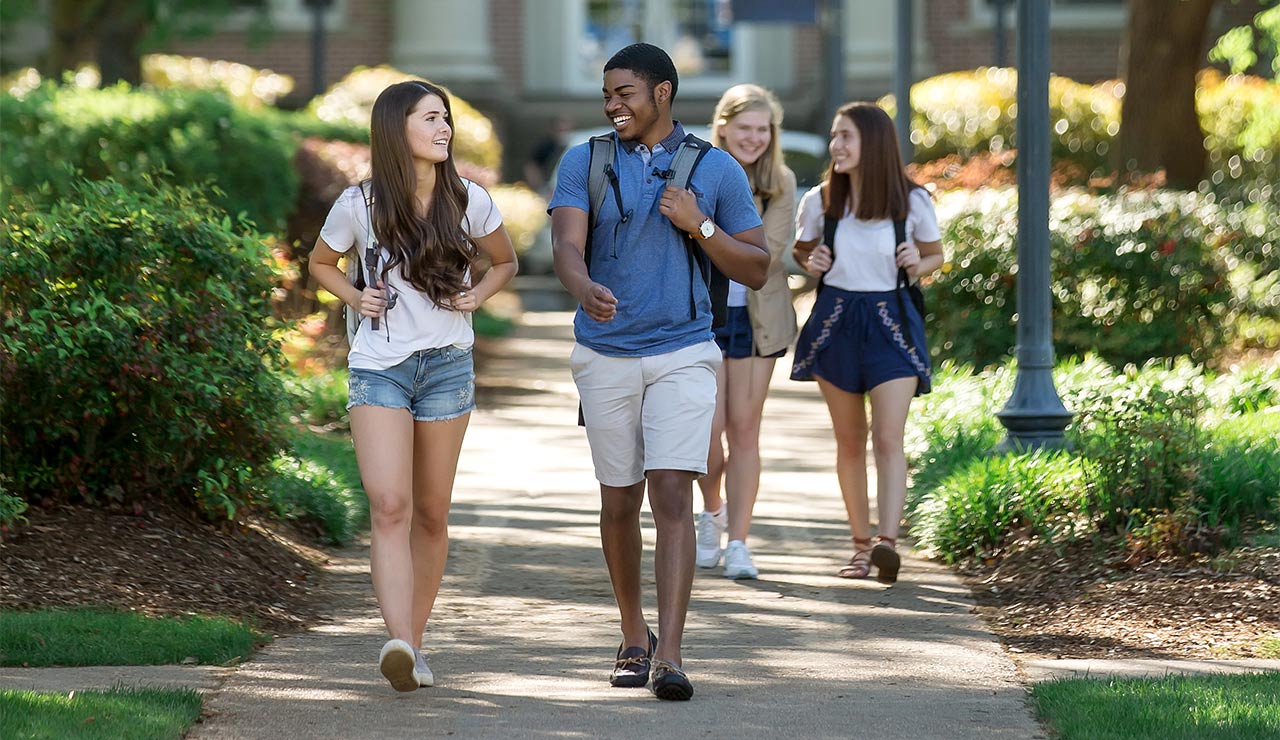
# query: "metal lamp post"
(1034, 415)
(902, 78)
(318, 8)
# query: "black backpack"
(600, 173)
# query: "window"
(698, 34)
(1063, 14)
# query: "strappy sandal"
(859, 566)
(886, 560)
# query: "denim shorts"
(736, 339)
(433, 384)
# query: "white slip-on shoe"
(422, 671)
(710, 529)
(396, 661)
(737, 562)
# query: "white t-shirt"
(414, 323)
(864, 250)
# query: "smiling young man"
(645, 362)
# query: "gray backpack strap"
(688, 154)
(600, 176)
(602, 155)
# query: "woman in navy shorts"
(417, 228)
(865, 339)
(761, 323)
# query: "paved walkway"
(524, 630)
(525, 627)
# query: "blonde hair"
(765, 174)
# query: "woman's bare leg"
(437, 445)
(384, 451)
(747, 382)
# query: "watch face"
(706, 228)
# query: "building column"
(446, 42)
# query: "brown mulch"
(1075, 605)
(164, 560)
(161, 560)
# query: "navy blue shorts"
(735, 338)
(855, 341)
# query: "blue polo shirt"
(644, 261)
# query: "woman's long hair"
(431, 250)
(883, 186)
(765, 174)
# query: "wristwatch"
(706, 229)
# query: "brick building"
(524, 62)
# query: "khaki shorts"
(647, 413)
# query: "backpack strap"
(371, 250)
(600, 177)
(688, 155)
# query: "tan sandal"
(859, 566)
(886, 560)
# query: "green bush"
(1239, 479)
(53, 136)
(976, 510)
(1240, 117)
(1136, 275)
(1153, 469)
(305, 490)
(137, 349)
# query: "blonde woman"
(760, 325)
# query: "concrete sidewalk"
(524, 631)
(525, 628)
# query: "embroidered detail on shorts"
(464, 396)
(358, 391)
(819, 341)
(895, 330)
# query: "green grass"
(1172, 708)
(80, 637)
(138, 714)
(1269, 648)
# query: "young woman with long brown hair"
(759, 327)
(865, 339)
(411, 388)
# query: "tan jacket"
(773, 317)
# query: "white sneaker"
(737, 562)
(397, 661)
(422, 671)
(710, 528)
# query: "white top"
(864, 249)
(737, 294)
(414, 323)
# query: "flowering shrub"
(1135, 275)
(975, 112)
(244, 85)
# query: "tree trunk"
(1159, 128)
(120, 35)
(71, 41)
